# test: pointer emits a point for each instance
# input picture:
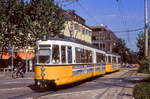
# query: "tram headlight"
(43, 68)
(43, 74)
(38, 83)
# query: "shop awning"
(5, 55)
(26, 55)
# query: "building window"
(76, 27)
(93, 37)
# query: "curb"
(9, 75)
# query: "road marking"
(11, 89)
(12, 82)
(2, 75)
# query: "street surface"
(116, 85)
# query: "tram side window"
(87, 56)
(78, 55)
(114, 60)
(44, 55)
(100, 58)
(119, 60)
(109, 59)
(55, 54)
(83, 56)
(69, 55)
(90, 57)
(63, 54)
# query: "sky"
(118, 16)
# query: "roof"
(105, 30)
(99, 28)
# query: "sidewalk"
(9, 75)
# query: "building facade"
(75, 27)
(103, 38)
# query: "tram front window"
(44, 56)
(55, 54)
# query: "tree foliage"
(22, 23)
(127, 56)
(141, 45)
(143, 61)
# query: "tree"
(127, 56)
(22, 23)
(143, 61)
(45, 18)
(141, 44)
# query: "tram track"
(107, 92)
(44, 94)
(130, 74)
(36, 93)
(122, 76)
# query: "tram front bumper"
(45, 83)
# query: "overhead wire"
(87, 12)
(123, 18)
(131, 30)
(123, 21)
(120, 12)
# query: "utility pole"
(146, 31)
(146, 27)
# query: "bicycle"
(18, 73)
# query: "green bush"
(146, 80)
(142, 90)
(144, 66)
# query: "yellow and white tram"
(60, 62)
(112, 62)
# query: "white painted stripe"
(11, 89)
(11, 82)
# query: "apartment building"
(75, 27)
(103, 38)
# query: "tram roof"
(112, 54)
(67, 39)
